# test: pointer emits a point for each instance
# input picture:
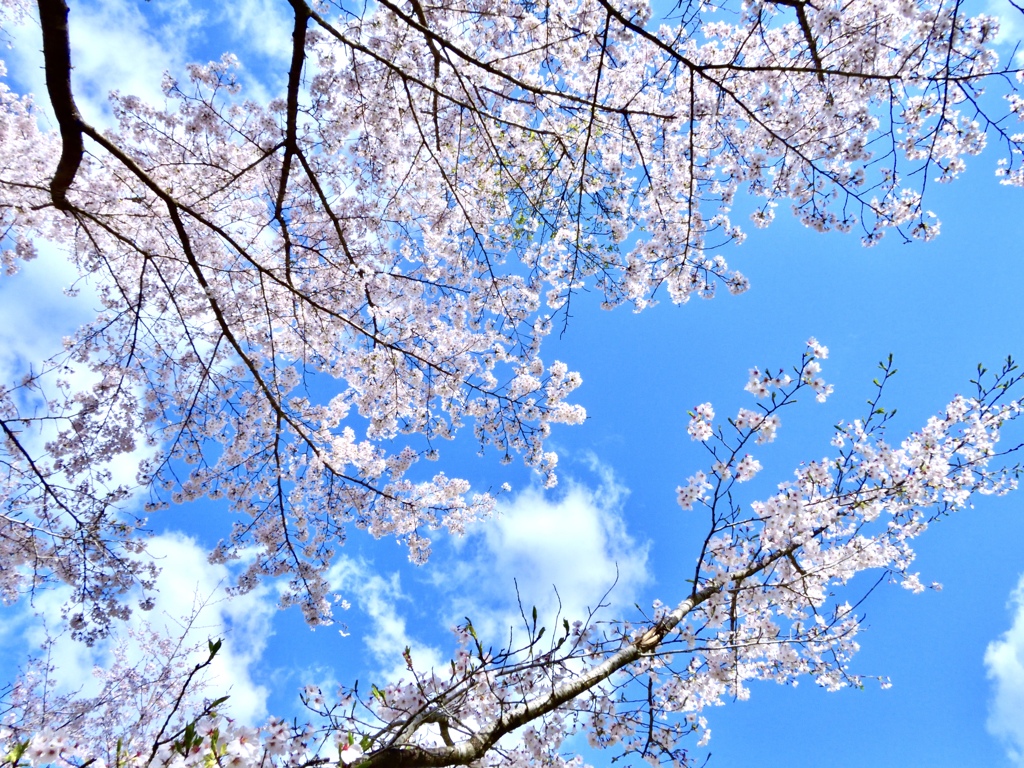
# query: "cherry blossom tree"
(401, 227)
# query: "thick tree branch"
(53, 18)
(291, 147)
(805, 27)
(475, 747)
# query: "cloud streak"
(379, 597)
(562, 554)
(567, 555)
(1004, 660)
(192, 605)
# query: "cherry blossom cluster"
(770, 599)
(760, 426)
(302, 298)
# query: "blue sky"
(940, 309)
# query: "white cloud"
(379, 596)
(1010, 27)
(244, 622)
(192, 604)
(113, 46)
(1011, 30)
(127, 46)
(35, 314)
(562, 554)
(35, 317)
(1004, 659)
(259, 26)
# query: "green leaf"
(16, 752)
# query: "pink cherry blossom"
(301, 296)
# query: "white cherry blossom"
(301, 297)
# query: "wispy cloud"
(34, 312)
(259, 27)
(35, 317)
(128, 46)
(244, 622)
(563, 554)
(192, 604)
(1004, 659)
(113, 46)
(1010, 21)
(1011, 30)
(380, 598)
